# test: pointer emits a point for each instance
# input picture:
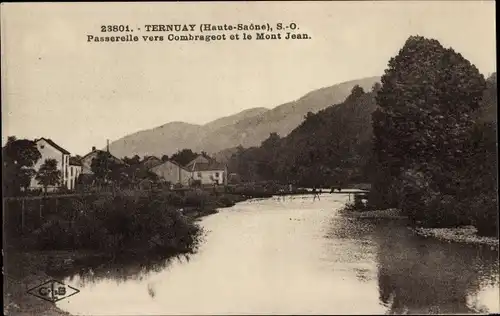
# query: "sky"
(57, 85)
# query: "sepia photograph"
(256, 158)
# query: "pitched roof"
(98, 150)
(151, 162)
(74, 161)
(208, 166)
(172, 162)
(53, 144)
(201, 159)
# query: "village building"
(172, 172)
(50, 150)
(75, 169)
(204, 169)
(150, 162)
(86, 161)
(207, 170)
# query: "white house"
(75, 169)
(50, 150)
(207, 170)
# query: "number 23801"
(115, 28)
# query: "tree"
(183, 157)
(272, 142)
(356, 92)
(19, 157)
(164, 158)
(376, 87)
(428, 97)
(48, 174)
(132, 161)
(105, 168)
(25, 176)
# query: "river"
(298, 256)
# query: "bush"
(126, 222)
(225, 201)
(178, 186)
(196, 198)
(483, 212)
(171, 198)
(196, 183)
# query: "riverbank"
(393, 214)
(467, 234)
(25, 270)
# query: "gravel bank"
(466, 235)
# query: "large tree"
(106, 168)
(48, 174)
(426, 103)
(19, 158)
(183, 157)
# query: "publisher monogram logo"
(53, 291)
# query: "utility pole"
(107, 157)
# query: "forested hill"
(331, 146)
(328, 147)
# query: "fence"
(22, 215)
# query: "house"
(172, 172)
(207, 170)
(50, 150)
(150, 162)
(86, 160)
(75, 169)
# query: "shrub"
(178, 186)
(171, 198)
(196, 183)
(225, 201)
(196, 198)
(483, 212)
(125, 222)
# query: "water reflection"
(427, 276)
(418, 275)
(119, 271)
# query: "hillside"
(329, 146)
(247, 128)
(333, 145)
(284, 118)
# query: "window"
(199, 174)
(42, 146)
(216, 174)
(71, 171)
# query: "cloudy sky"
(56, 85)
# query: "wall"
(87, 162)
(185, 176)
(172, 173)
(49, 152)
(74, 172)
(206, 176)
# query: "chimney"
(93, 148)
(107, 146)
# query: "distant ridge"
(247, 128)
